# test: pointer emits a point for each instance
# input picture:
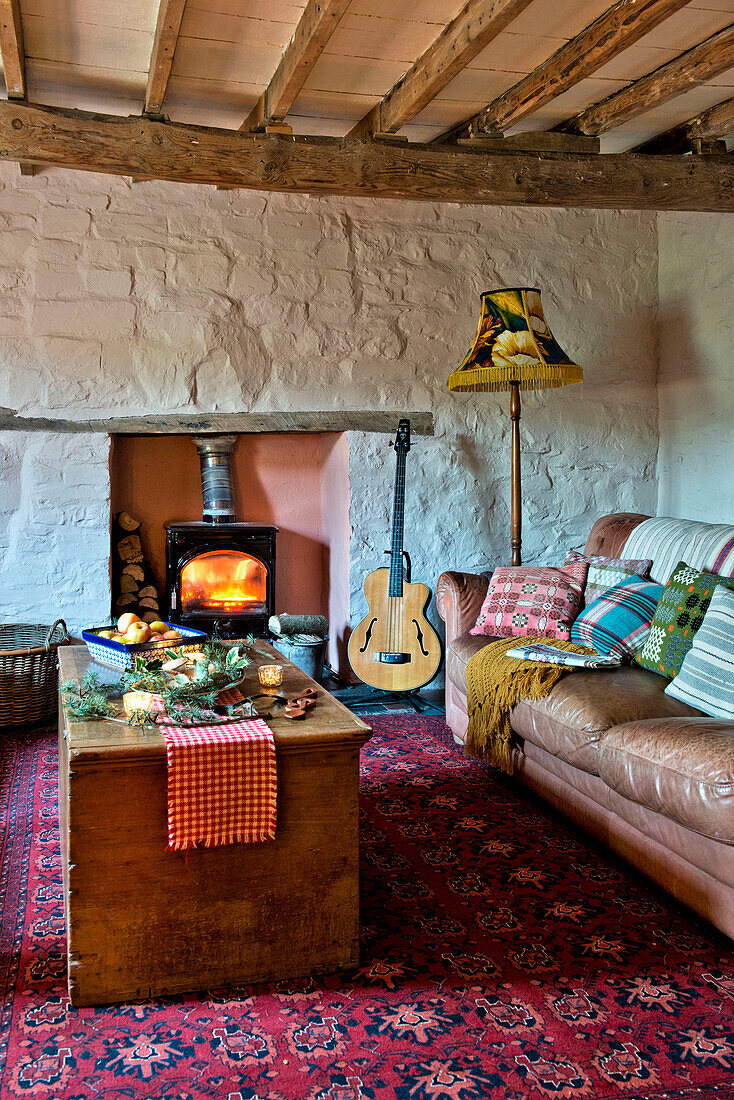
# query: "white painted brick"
(64, 221)
(84, 319)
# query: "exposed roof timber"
(318, 22)
(11, 48)
(615, 30)
(332, 166)
(715, 123)
(688, 70)
(170, 14)
(478, 22)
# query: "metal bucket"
(308, 656)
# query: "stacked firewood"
(134, 585)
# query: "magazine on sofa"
(548, 654)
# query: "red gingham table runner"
(222, 783)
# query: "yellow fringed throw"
(495, 683)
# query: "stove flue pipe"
(215, 455)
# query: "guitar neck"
(398, 524)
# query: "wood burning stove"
(220, 574)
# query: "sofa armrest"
(459, 598)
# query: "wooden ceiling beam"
(688, 70)
(168, 26)
(318, 22)
(478, 22)
(138, 146)
(615, 30)
(717, 122)
(11, 49)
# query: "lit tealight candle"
(145, 701)
(270, 675)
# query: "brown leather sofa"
(648, 775)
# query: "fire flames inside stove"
(223, 580)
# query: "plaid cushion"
(683, 604)
(706, 677)
(604, 573)
(618, 622)
(531, 599)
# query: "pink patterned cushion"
(533, 600)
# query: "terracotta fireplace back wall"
(277, 480)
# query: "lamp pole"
(515, 495)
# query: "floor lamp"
(514, 350)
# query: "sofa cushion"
(706, 677)
(680, 767)
(458, 653)
(618, 622)
(679, 614)
(605, 573)
(575, 717)
(532, 599)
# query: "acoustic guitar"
(395, 648)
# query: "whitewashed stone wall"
(696, 374)
(149, 297)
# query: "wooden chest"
(143, 921)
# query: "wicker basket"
(29, 677)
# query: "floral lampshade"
(514, 344)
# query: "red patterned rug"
(503, 956)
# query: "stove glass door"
(226, 581)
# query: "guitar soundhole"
(368, 635)
(419, 632)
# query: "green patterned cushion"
(678, 616)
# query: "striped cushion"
(705, 546)
(706, 678)
(604, 573)
(618, 622)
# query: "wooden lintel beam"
(461, 40)
(206, 423)
(11, 48)
(717, 122)
(619, 27)
(168, 25)
(690, 69)
(138, 146)
(318, 22)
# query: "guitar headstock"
(402, 439)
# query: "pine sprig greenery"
(189, 700)
(88, 700)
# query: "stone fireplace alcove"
(298, 481)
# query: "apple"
(126, 621)
(171, 634)
(138, 632)
(118, 637)
(106, 633)
(158, 627)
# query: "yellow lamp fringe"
(540, 376)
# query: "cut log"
(128, 583)
(149, 590)
(127, 522)
(125, 601)
(149, 603)
(130, 548)
(150, 616)
(135, 571)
